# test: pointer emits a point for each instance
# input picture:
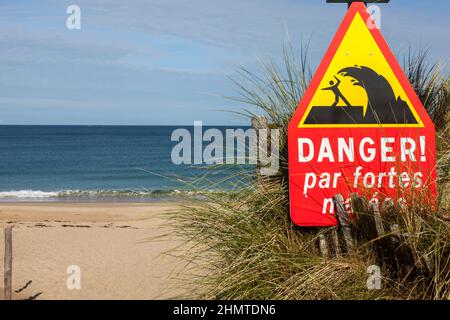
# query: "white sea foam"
(22, 194)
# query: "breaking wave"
(23, 195)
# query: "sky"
(170, 62)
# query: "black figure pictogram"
(383, 106)
(337, 93)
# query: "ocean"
(102, 163)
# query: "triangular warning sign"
(359, 82)
(360, 128)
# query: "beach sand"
(108, 241)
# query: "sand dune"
(108, 241)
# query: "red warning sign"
(360, 127)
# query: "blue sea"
(101, 163)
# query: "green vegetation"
(246, 247)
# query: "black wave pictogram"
(383, 106)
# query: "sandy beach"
(109, 242)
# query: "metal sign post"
(349, 2)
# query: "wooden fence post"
(336, 244)
(8, 263)
(323, 247)
(343, 220)
(259, 123)
(378, 220)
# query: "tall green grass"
(429, 85)
(244, 246)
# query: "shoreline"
(92, 200)
(106, 197)
(113, 243)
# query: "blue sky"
(169, 61)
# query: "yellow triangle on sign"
(359, 87)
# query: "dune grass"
(246, 247)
